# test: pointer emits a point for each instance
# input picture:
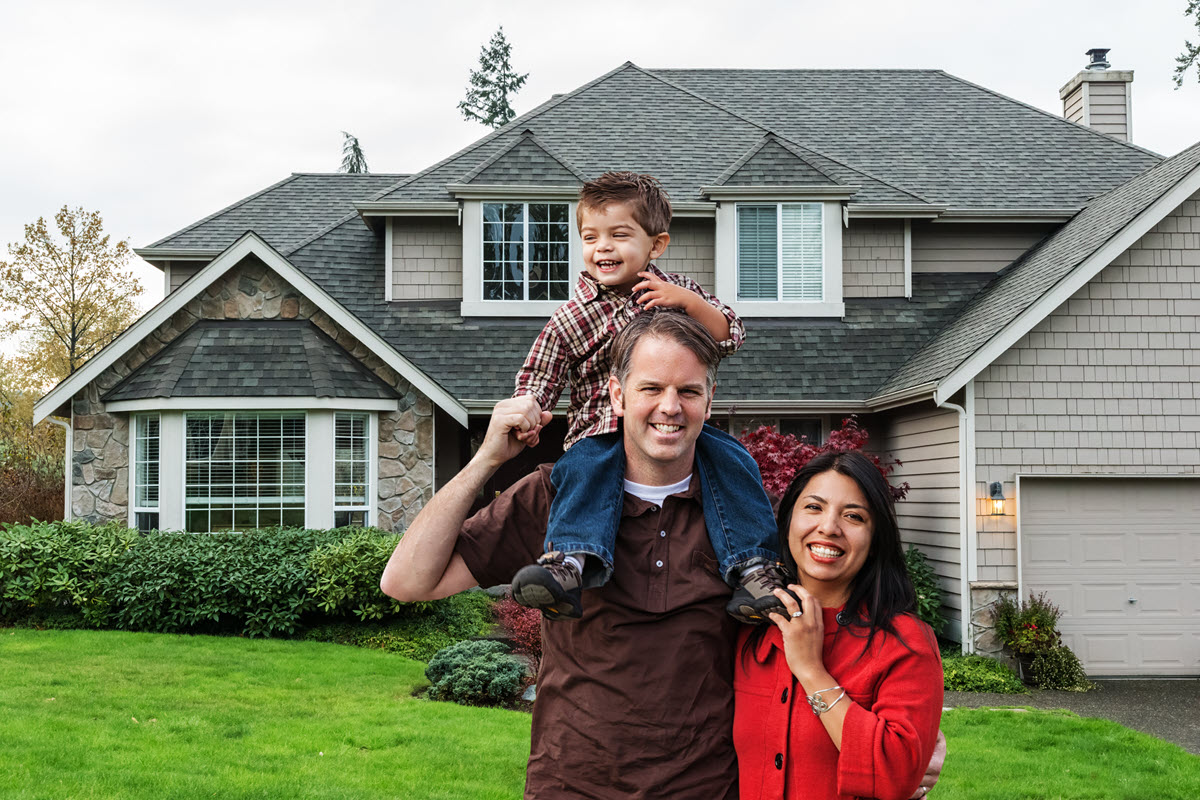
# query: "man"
(635, 699)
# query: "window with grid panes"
(145, 471)
(244, 470)
(526, 251)
(351, 469)
(780, 251)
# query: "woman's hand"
(803, 638)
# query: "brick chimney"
(1100, 97)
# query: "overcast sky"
(158, 115)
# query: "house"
(1003, 296)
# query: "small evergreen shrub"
(1059, 668)
(927, 589)
(973, 673)
(345, 575)
(480, 673)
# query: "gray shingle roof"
(284, 213)
(251, 358)
(526, 161)
(769, 163)
(916, 132)
(1037, 272)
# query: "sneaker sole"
(536, 595)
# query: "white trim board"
(265, 403)
(1088, 269)
(249, 244)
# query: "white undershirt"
(656, 494)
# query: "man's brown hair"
(645, 196)
(672, 325)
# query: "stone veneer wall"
(250, 290)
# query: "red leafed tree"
(780, 455)
(524, 627)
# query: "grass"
(86, 714)
(111, 714)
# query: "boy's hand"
(531, 437)
(668, 295)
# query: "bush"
(523, 626)
(419, 630)
(971, 673)
(1028, 627)
(1058, 668)
(475, 673)
(345, 575)
(927, 589)
(54, 568)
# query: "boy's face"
(615, 247)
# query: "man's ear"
(711, 395)
(616, 396)
(660, 245)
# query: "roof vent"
(1098, 55)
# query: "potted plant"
(1028, 628)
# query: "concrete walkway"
(1168, 709)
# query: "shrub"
(54, 568)
(928, 590)
(345, 575)
(419, 630)
(1028, 627)
(31, 457)
(1058, 668)
(523, 626)
(475, 673)
(972, 673)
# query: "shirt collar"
(636, 506)
(588, 288)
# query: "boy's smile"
(615, 247)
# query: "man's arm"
(424, 565)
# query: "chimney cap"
(1098, 56)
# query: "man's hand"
(667, 295)
(515, 424)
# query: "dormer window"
(780, 251)
(526, 251)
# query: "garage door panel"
(1094, 543)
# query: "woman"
(842, 697)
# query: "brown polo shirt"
(636, 698)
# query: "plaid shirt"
(576, 346)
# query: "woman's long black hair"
(881, 589)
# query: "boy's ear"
(660, 245)
(616, 396)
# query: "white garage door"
(1121, 557)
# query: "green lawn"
(122, 715)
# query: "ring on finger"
(797, 614)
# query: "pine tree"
(353, 160)
(1191, 52)
(491, 84)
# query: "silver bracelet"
(818, 704)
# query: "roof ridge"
(1045, 113)
(527, 135)
(523, 119)
(739, 162)
(788, 144)
(226, 209)
(700, 97)
(320, 233)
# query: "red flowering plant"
(1028, 627)
(781, 455)
(523, 627)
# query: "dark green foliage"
(57, 567)
(345, 575)
(928, 590)
(419, 630)
(1029, 626)
(475, 673)
(353, 160)
(978, 674)
(487, 99)
(1191, 52)
(1058, 668)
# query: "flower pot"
(1025, 660)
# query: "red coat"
(895, 697)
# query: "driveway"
(1168, 709)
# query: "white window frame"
(135, 421)
(369, 505)
(473, 304)
(831, 305)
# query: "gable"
(773, 165)
(525, 162)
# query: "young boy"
(623, 219)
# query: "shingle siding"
(873, 259)
(182, 270)
(1105, 384)
(426, 258)
(692, 251)
(968, 247)
(925, 440)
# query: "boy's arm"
(685, 294)
(543, 375)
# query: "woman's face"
(830, 535)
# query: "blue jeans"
(589, 489)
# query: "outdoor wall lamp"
(997, 499)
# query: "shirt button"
(658, 563)
(663, 534)
(784, 698)
(654, 508)
(779, 761)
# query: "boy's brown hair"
(645, 196)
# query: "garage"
(1121, 557)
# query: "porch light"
(997, 499)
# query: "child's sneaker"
(755, 598)
(552, 585)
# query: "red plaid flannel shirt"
(576, 347)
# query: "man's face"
(664, 402)
(615, 246)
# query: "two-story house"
(1002, 295)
